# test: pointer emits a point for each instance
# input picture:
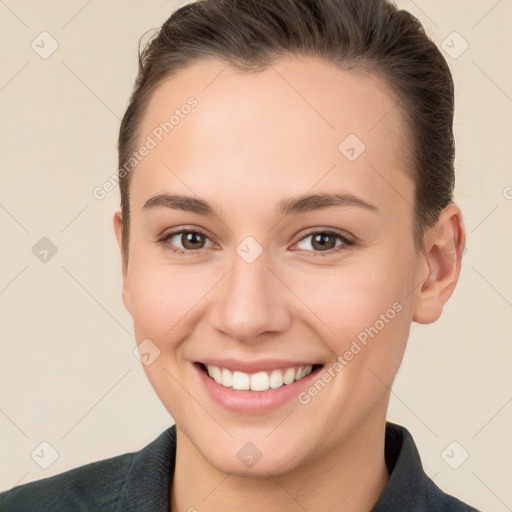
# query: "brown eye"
(184, 241)
(323, 243)
(192, 240)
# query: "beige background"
(67, 372)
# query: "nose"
(251, 301)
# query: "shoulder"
(93, 487)
(436, 499)
(409, 488)
(129, 482)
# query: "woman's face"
(269, 283)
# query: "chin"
(231, 461)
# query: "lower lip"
(252, 402)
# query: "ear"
(118, 229)
(444, 246)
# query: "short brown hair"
(371, 35)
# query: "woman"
(286, 176)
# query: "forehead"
(285, 126)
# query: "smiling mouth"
(259, 381)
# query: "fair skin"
(252, 141)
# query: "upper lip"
(255, 366)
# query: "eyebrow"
(290, 206)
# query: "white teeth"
(241, 380)
(289, 376)
(216, 374)
(227, 378)
(260, 381)
(276, 379)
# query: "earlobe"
(442, 258)
(118, 230)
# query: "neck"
(350, 477)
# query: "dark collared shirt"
(140, 481)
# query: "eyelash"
(346, 243)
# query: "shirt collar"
(406, 488)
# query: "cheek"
(165, 298)
(363, 312)
(348, 299)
